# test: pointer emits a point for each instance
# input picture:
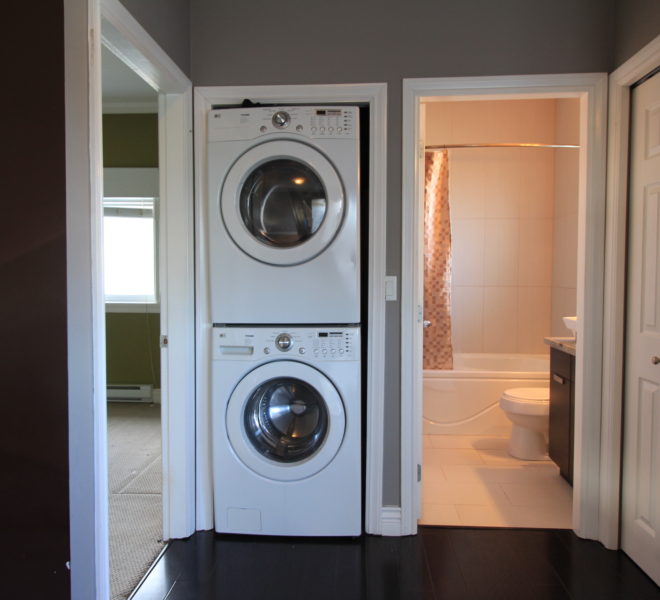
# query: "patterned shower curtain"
(438, 353)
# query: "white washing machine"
(286, 431)
(283, 215)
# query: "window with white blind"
(130, 235)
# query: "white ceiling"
(123, 90)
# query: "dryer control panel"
(314, 122)
(308, 344)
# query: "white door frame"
(591, 89)
(86, 24)
(375, 94)
(621, 80)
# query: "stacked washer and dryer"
(284, 240)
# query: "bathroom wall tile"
(467, 318)
(566, 182)
(501, 247)
(567, 121)
(467, 184)
(534, 319)
(536, 256)
(538, 181)
(500, 318)
(503, 176)
(564, 268)
(438, 122)
(470, 123)
(564, 304)
(467, 251)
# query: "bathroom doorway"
(592, 470)
(500, 272)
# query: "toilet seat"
(526, 401)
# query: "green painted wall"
(133, 349)
(130, 140)
(132, 339)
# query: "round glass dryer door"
(282, 202)
(285, 420)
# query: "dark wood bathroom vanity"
(562, 404)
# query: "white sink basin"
(571, 323)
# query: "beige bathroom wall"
(564, 266)
(502, 205)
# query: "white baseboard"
(390, 518)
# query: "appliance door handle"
(558, 379)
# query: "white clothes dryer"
(286, 431)
(283, 215)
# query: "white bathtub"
(465, 400)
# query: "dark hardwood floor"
(438, 564)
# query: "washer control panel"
(328, 122)
(309, 344)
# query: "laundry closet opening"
(286, 213)
(500, 274)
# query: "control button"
(330, 129)
(341, 350)
(332, 351)
(281, 119)
(324, 351)
(338, 129)
(266, 350)
(313, 129)
(284, 342)
(263, 129)
(322, 129)
(301, 350)
(316, 352)
(299, 127)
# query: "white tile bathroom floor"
(470, 480)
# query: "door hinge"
(419, 473)
(164, 341)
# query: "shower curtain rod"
(500, 145)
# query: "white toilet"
(528, 409)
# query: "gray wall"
(168, 22)
(296, 41)
(637, 23)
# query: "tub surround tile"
(499, 319)
(535, 256)
(467, 260)
(501, 251)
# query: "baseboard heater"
(130, 392)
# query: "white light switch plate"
(390, 287)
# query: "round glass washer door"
(285, 420)
(282, 202)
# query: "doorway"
(589, 91)
(87, 23)
(132, 323)
(500, 272)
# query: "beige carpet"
(135, 484)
